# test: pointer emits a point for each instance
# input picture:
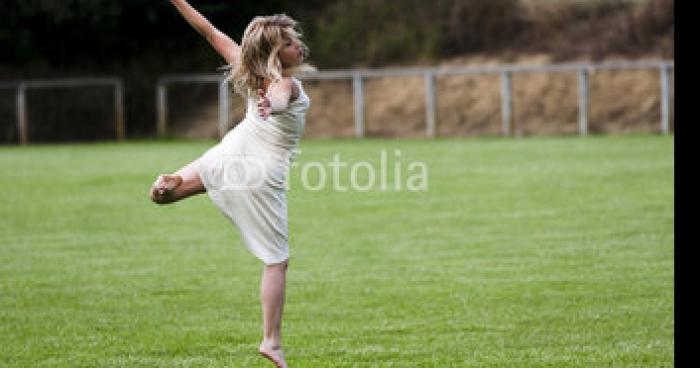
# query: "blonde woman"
(245, 175)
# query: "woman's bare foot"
(273, 354)
(163, 187)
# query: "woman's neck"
(289, 71)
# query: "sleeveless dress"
(246, 175)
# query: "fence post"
(119, 110)
(223, 107)
(429, 78)
(583, 102)
(506, 102)
(161, 100)
(665, 98)
(22, 114)
(359, 102)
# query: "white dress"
(246, 175)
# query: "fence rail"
(357, 77)
(162, 98)
(21, 88)
(506, 72)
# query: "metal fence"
(162, 98)
(358, 77)
(21, 88)
(506, 72)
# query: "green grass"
(536, 252)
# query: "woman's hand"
(277, 98)
(264, 105)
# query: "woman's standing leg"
(272, 298)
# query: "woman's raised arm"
(223, 44)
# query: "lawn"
(529, 252)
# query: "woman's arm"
(223, 44)
(278, 97)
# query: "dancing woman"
(246, 174)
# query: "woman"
(246, 174)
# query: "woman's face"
(291, 53)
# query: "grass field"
(535, 252)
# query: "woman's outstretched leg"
(272, 297)
(183, 183)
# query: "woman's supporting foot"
(273, 354)
(163, 188)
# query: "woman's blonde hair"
(260, 46)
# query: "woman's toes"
(273, 354)
(163, 188)
(277, 360)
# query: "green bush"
(376, 32)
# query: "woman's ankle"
(271, 344)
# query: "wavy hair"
(260, 46)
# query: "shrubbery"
(376, 32)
